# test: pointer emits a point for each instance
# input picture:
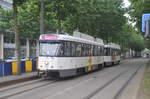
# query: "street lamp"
(42, 17)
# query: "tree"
(16, 30)
(100, 18)
(5, 20)
(137, 9)
(28, 15)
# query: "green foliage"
(137, 9)
(5, 20)
(100, 18)
(29, 19)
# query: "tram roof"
(112, 45)
(68, 38)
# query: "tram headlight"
(47, 63)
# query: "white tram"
(64, 55)
(111, 54)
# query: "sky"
(126, 3)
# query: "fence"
(10, 68)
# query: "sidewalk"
(10, 78)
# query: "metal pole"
(37, 47)
(2, 51)
(2, 46)
(42, 17)
(3, 68)
(148, 28)
(27, 48)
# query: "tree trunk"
(27, 48)
(17, 40)
(59, 25)
(37, 47)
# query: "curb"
(16, 81)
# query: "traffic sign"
(144, 18)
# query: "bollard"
(28, 66)
(1, 69)
(14, 68)
(33, 65)
(23, 68)
(7, 68)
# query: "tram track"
(42, 84)
(20, 85)
(126, 84)
(26, 88)
(116, 96)
(23, 87)
(84, 84)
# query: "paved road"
(118, 82)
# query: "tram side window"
(113, 52)
(61, 50)
(67, 49)
(73, 49)
(78, 49)
(99, 51)
(105, 51)
(86, 50)
(94, 50)
(89, 50)
(83, 49)
(118, 52)
(108, 52)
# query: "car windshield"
(49, 48)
